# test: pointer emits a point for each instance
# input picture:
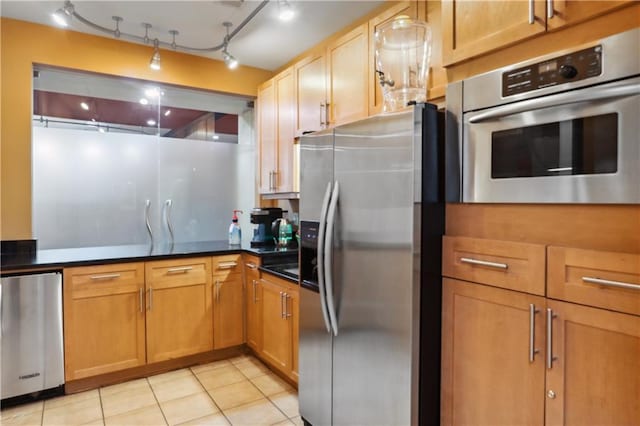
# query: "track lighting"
(229, 60)
(154, 64)
(285, 11)
(62, 16)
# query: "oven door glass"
(574, 147)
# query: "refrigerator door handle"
(321, 236)
(328, 260)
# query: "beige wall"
(24, 44)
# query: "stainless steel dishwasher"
(31, 338)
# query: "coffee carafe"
(282, 231)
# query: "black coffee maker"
(262, 218)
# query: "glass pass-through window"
(111, 154)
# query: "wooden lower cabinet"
(228, 311)
(253, 301)
(104, 327)
(179, 308)
(487, 375)
(279, 324)
(595, 376)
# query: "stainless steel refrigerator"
(372, 219)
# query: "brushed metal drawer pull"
(484, 263)
(141, 292)
(180, 270)
(282, 314)
(252, 266)
(286, 305)
(611, 283)
(227, 265)
(105, 277)
(150, 298)
(532, 332)
(550, 357)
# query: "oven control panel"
(573, 66)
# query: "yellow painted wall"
(24, 44)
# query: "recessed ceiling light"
(144, 101)
(285, 11)
(151, 122)
(84, 106)
(167, 112)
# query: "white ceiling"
(265, 42)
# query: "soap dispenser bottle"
(235, 233)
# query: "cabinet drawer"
(176, 273)
(506, 264)
(227, 264)
(603, 279)
(103, 280)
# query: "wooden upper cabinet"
(406, 8)
(567, 12)
(179, 308)
(104, 328)
(267, 135)
(348, 78)
(488, 374)
(471, 28)
(595, 376)
(285, 111)
(311, 94)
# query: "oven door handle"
(592, 94)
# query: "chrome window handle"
(472, 261)
(150, 298)
(105, 277)
(328, 258)
(168, 205)
(179, 270)
(550, 357)
(532, 332)
(140, 299)
(611, 283)
(147, 208)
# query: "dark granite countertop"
(59, 258)
(288, 271)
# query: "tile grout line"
(260, 390)
(157, 402)
(101, 406)
(41, 415)
(210, 397)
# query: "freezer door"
(375, 275)
(31, 323)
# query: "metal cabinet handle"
(321, 109)
(218, 291)
(251, 265)
(255, 295)
(281, 305)
(150, 298)
(227, 265)
(326, 114)
(532, 332)
(532, 15)
(550, 11)
(105, 277)
(288, 314)
(620, 284)
(550, 357)
(484, 263)
(147, 208)
(140, 299)
(179, 270)
(168, 205)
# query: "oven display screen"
(547, 67)
(582, 146)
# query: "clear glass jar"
(403, 54)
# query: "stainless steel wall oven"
(562, 128)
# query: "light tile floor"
(239, 391)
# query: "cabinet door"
(267, 136)
(294, 318)
(471, 28)
(311, 113)
(103, 319)
(179, 308)
(595, 376)
(348, 79)
(487, 375)
(285, 98)
(228, 311)
(276, 330)
(406, 8)
(253, 299)
(568, 12)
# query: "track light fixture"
(285, 11)
(63, 16)
(154, 64)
